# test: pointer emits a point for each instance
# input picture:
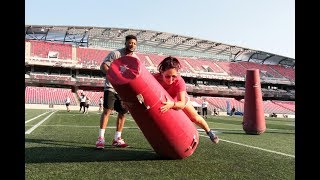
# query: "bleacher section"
(290, 105)
(232, 68)
(90, 57)
(265, 71)
(48, 95)
(65, 55)
(278, 107)
(51, 50)
(271, 107)
(144, 60)
(286, 72)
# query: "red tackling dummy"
(171, 134)
(253, 116)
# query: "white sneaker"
(100, 143)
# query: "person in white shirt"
(83, 102)
(68, 103)
(100, 104)
(87, 105)
(204, 108)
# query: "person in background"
(215, 113)
(174, 84)
(87, 105)
(111, 98)
(204, 108)
(100, 104)
(67, 101)
(83, 102)
(233, 110)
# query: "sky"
(265, 25)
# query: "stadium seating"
(58, 54)
(58, 50)
(48, 95)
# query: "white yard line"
(38, 124)
(35, 117)
(267, 150)
(130, 119)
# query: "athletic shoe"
(214, 138)
(100, 143)
(119, 143)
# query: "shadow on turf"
(78, 153)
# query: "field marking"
(131, 119)
(35, 117)
(241, 124)
(109, 127)
(267, 150)
(38, 124)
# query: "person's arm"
(179, 104)
(104, 67)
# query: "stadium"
(65, 61)
(69, 58)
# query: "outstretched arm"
(179, 104)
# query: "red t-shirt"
(177, 86)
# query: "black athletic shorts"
(82, 104)
(112, 100)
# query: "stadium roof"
(85, 35)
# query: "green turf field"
(61, 145)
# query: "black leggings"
(204, 111)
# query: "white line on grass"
(248, 145)
(241, 124)
(254, 147)
(130, 119)
(109, 127)
(38, 124)
(35, 117)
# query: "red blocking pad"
(171, 134)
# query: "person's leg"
(199, 121)
(118, 106)
(190, 111)
(120, 122)
(108, 105)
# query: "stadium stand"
(212, 70)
